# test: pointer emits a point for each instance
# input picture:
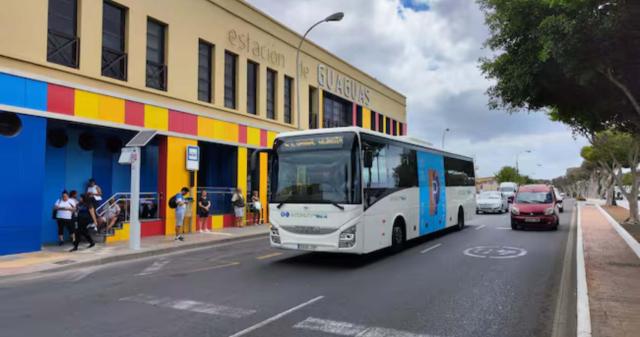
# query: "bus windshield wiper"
(284, 201)
(337, 205)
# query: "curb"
(631, 242)
(583, 328)
(139, 255)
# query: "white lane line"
(503, 227)
(584, 317)
(350, 329)
(156, 266)
(430, 248)
(80, 274)
(480, 227)
(218, 233)
(276, 317)
(189, 305)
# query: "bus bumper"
(346, 239)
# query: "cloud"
(429, 50)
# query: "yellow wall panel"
(366, 118)
(226, 131)
(177, 177)
(206, 127)
(156, 118)
(217, 222)
(119, 234)
(271, 136)
(320, 109)
(86, 104)
(111, 109)
(253, 136)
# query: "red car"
(535, 206)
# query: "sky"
(428, 50)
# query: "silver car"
(492, 202)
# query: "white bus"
(351, 190)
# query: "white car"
(492, 202)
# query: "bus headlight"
(347, 238)
(275, 235)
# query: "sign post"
(131, 154)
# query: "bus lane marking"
(189, 305)
(350, 329)
(431, 248)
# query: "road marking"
(218, 233)
(584, 317)
(155, 267)
(480, 227)
(430, 248)
(228, 264)
(276, 317)
(503, 228)
(350, 329)
(268, 256)
(77, 275)
(495, 252)
(189, 305)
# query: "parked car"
(535, 206)
(509, 189)
(491, 202)
(559, 199)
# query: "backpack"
(239, 202)
(172, 202)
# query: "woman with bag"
(256, 208)
(238, 207)
(64, 209)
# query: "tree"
(614, 151)
(577, 60)
(510, 174)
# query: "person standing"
(238, 207)
(181, 209)
(204, 205)
(94, 194)
(83, 217)
(64, 209)
(256, 208)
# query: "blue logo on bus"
(284, 214)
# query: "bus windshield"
(316, 169)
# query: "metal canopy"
(142, 138)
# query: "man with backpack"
(179, 203)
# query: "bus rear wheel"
(397, 237)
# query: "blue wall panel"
(79, 164)
(54, 183)
(23, 157)
(102, 170)
(22, 92)
(121, 180)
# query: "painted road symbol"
(495, 252)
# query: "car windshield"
(489, 195)
(317, 169)
(534, 198)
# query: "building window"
(358, 116)
(400, 129)
(394, 127)
(288, 87)
(271, 93)
(387, 125)
(338, 112)
(230, 79)
(114, 57)
(252, 87)
(62, 33)
(156, 49)
(205, 70)
(373, 120)
(313, 110)
(380, 123)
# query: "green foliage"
(572, 59)
(627, 179)
(609, 148)
(509, 174)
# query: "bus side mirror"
(368, 159)
(255, 158)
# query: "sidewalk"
(612, 274)
(55, 258)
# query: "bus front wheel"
(460, 218)
(397, 237)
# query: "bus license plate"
(532, 220)
(306, 247)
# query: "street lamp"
(444, 132)
(517, 169)
(333, 17)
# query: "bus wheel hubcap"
(397, 235)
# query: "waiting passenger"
(204, 205)
(94, 196)
(179, 202)
(238, 207)
(111, 215)
(256, 208)
(84, 217)
(64, 209)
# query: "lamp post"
(519, 153)
(444, 132)
(333, 17)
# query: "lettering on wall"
(342, 85)
(258, 50)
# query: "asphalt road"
(432, 288)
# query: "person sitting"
(111, 214)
